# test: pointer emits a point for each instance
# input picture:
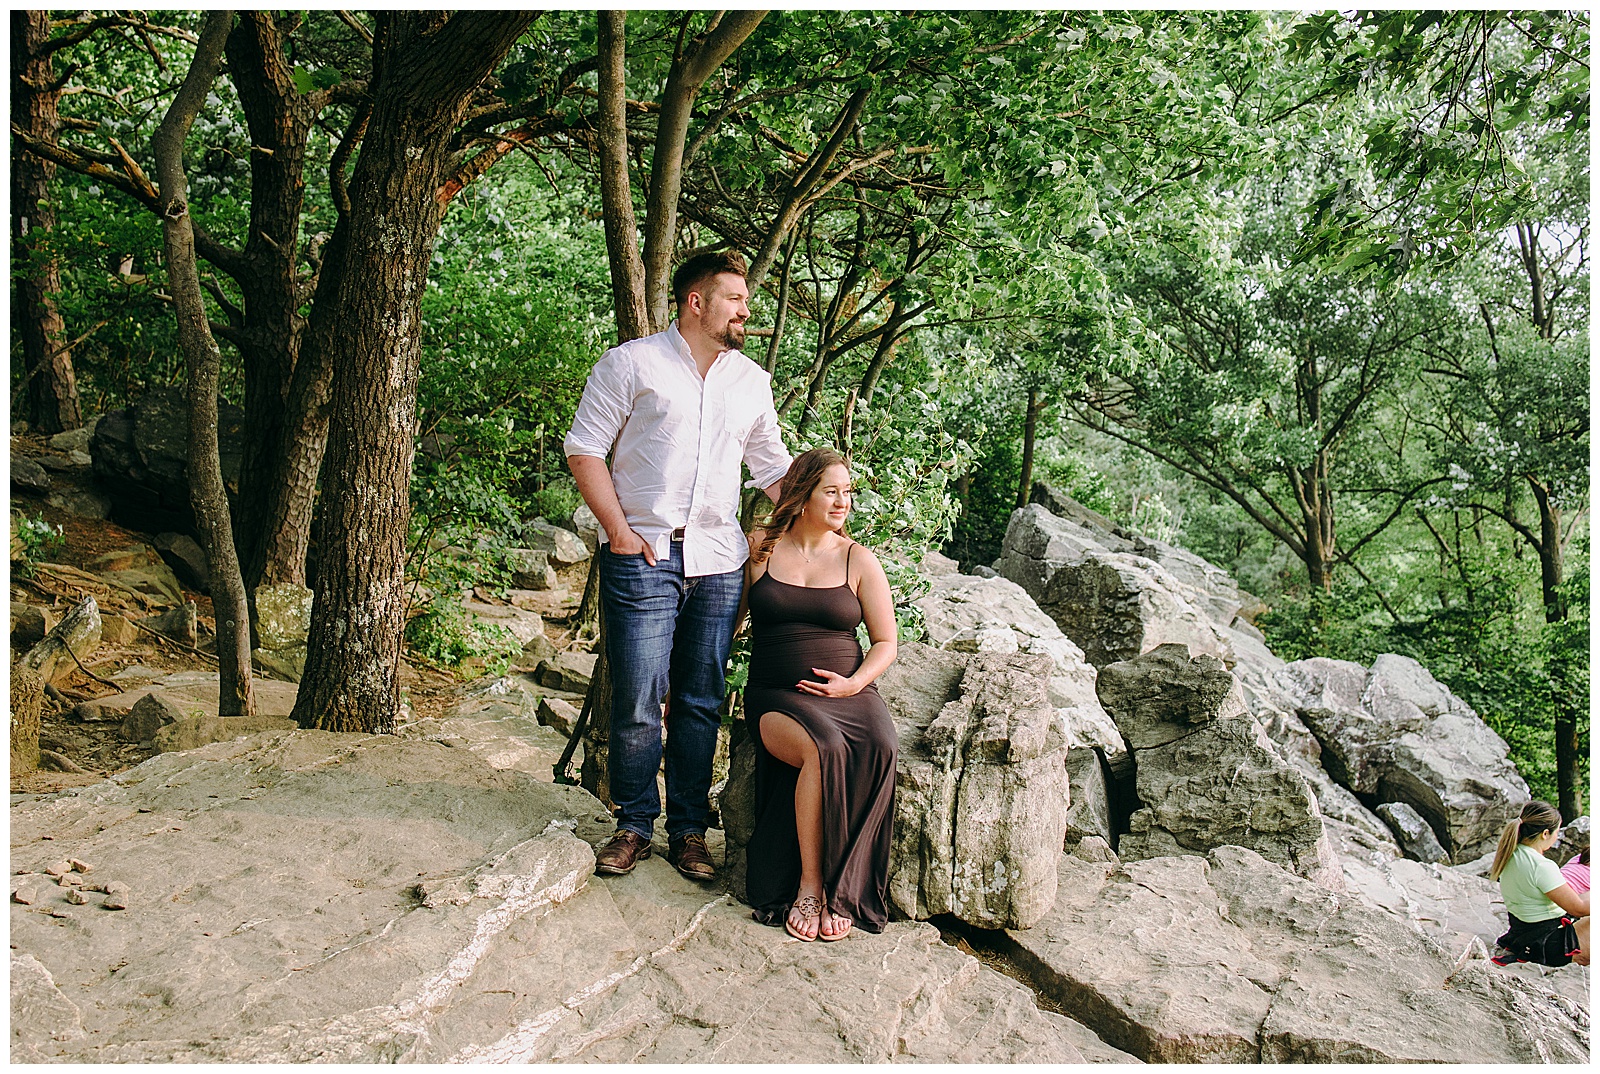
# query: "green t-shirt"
(1524, 881)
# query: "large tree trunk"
(616, 191)
(204, 361)
(426, 66)
(274, 498)
(52, 389)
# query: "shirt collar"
(681, 345)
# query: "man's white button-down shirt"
(677, 442)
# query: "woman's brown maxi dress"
(793, 630)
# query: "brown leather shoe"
(688, 854)
(621, 853)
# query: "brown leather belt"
(677, 534)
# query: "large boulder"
(1115, 605)
(283, 622)
(307, 896)
(1230, 958)
(980, 788)
(1395, 734)
(141, 454)
(564, 546)
(966, 613)
(1205, 772)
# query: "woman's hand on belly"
(833, 684)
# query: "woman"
(825, 745)
(1549, 922)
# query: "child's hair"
(1536, 817)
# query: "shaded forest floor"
(96, 749)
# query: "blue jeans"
(665, 632)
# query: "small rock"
(193, 731)
(530, 568)
(181, 623)
(564, 546)
(76, 897)
(538, 649)
(117, 630)
(56, 762)
(26, 894)
(30, 623)
(186, 558)
(1093, 848)
(70, 880)
(29, 476)
(286, 664)
(58, 868)
(75, 439)
(558, 714)
(150, 714)
(981, 571)
(116, 902)
(116, 887)
(79, 865)
(567, 671)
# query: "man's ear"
(694, 303)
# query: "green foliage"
(445, 635)
(39, 539)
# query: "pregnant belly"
(781, 657)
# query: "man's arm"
(597, 490)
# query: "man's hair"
(701, 267)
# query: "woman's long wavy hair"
(805, 474)
(1536, 817)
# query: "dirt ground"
(96, 749)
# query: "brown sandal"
(848, 925)
(809, 907)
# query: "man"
(678, 411)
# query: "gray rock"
(984, 571)
(937, 565)
(69, 642)
(1574, 838)
(84, 503)
(1205, 772)
(558, 714)
(287, 665)
(113, 709)
(1113, 604)
(1237, 960)
(1164, 695)
(181, 623)
(190, 732)
(1089, 815)
(980, 789)
(459, 921)
(186, 558)
(523, 625)
(140, 458)
(117, 630)
(43, 1019)
(76, 897)
(538, 649)
(75, 439)
(30, 623)
(587, 527)
(1063, 506)
(530, 568)
(28, 476)
(142, 570)
(564, 546)
(1094, 848)
(567, 671)
(1416, 839)
(1395, 734)
(149, 715)
(965, 613)
(283, 615)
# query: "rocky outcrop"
(1206, 773)
(965, 613)
(1230, 958)
(1395, 734)
(307, 896)
(1113, 604)
(141, 453)
(283, 622)
(980, 788)
(564, 546)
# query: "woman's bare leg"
(788, 742)
(1581, 927)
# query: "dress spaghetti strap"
(848, 549)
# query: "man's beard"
(731, 336)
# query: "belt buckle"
(677, 534)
